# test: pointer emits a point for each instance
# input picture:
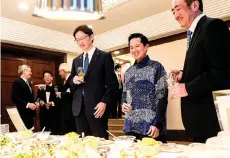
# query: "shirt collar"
(195, 22)
(144, 61)
(91, 51)
(67, 77)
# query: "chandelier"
(74, 9)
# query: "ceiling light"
(23, 6)
(64, 10)
(90, 26)
(67, 15)
(74, 9)
(116, 52)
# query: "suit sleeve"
(39, 95)
(73, 73)
(110, 79)
(16, 95)
(217, 47)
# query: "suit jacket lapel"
(196, 34)
(80, 60)
(79, 63)
(25, 85)
(93, 61)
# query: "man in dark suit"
(117, 112)
(94, 91)
(23, 96)
(206, 68)
(49, 105)
(66, 95)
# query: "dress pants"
(87, 123)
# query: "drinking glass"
(80, 72)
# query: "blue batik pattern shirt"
(146, 81)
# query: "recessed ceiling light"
(116, 52)
(90, 26)
(23, 6)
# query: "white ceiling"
(121, 15)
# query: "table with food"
(26, 144)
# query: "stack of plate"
(4, 128)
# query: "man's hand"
(42, 103)
(177, 75)
(41, 86)
(179, 90)
(78, 80)
(100, 109)
(58, 94)
(32, 106)
(126, 107)
(153, 132)
(50, 104)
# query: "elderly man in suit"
(23, 96)
(66, 95)
(206, 68)
(94, 91)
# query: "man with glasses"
(94, 91)
(206, 68)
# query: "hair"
(65, 67)
(22, 68)
(47, 71)
(189, 2)
(84, 28)
(143, 38)
(117, 67)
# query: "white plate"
(172, 148)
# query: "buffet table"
(32, 145)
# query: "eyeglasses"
(80, 39)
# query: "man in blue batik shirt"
(145, 95)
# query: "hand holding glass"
(80, 73)
(127, 107)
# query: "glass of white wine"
(128, 98)
(80, 73)
(171, 82)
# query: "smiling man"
(23, 96)
(206, 68)
(94, 92)
(145, 94)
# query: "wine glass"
(80, 72)
(128, 98)
(170, 78)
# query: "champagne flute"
(128, 98)
(171, 82)
(80, 73)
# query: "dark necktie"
(29, 86)
(86, 63)
(119, 81)
(189, 38)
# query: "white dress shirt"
(27, 105)
(90, 54)
(195, 22)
